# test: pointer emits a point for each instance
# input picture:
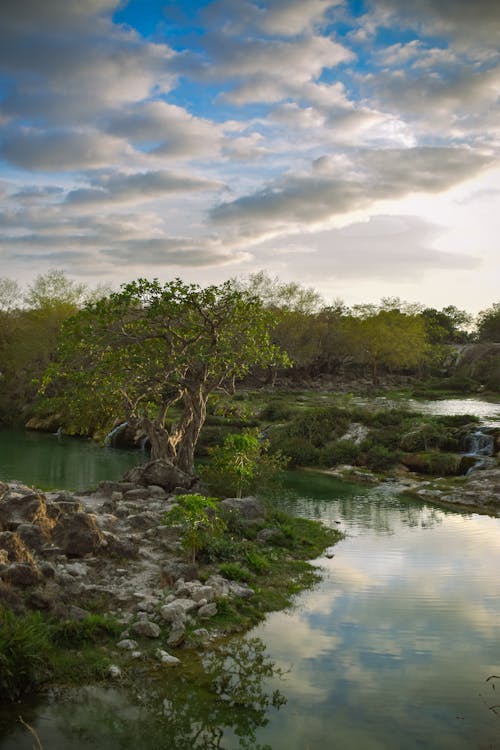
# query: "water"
(59, 462)
(393, 649)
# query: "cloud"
(55, 151)
(166, 129)
(333, 188)
(265, 69)
(284, 18)
(467, 23)
(137, 188)
(388, 248)
(69, 61)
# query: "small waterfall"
(480, 446)
(108, 440)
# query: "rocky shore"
(479, 491)
(71, 554)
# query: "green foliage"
(380, 458)
(24, 645)
(257, 562)
(276, 411)
(340, 452)
(241, 464)
(91, 629)
(197, 516)
(149, 348)
(235, 572)
(488, 324)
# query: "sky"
(350, 145)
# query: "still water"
(393, 649)
(59, 462)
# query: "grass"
(35, 649)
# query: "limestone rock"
(22, 574)
(77, 534)
(146, 629)
(207, 611)
(248, 508)
(16, 549)
(167, 658)
(160, 473)
(127, 644)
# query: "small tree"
(197, 517)
(241, 464)
(150, 347)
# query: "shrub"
(257, 563)
(235, 572)
(24, 645)
(379, 458)
(340, 452)
(196, 515)
(242, 464)
(276, 411)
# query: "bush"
(24, 646)
(257, 563)
(276, 411)
(91, 629)
(298, 451)
(340, 452)
(235, 572)
(379, 458)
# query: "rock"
(167, 658)
(32, 536)
(127, 644)
(177, 634)
(207, 611)
(264, 536)
(248, 508)
(203, 592)
(241, 590)
(219, 584)
(114, 671)
(16, 509)
(160, 473)
(174, 611)
(77, 534)
(173, 570)
(16, 549)
(77, 613)
(120, 547)
(146, 629)
(22, 574)
(139, 493)
(157, 492)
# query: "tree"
(153, 354)
(488, 326)
(197, 517)
(241, 464)
(389, 338)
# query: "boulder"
(16, 508)
(23, 575)
(77, 534)
(247, 508)
(16, 549)
(161, 473)
(146, 629)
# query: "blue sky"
(351, 146)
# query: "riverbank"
(478, 491)
(94, 584)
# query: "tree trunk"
(195, 412)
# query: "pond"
(397, 647)
(52, 462)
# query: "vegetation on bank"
(37, 649)
(356, 345)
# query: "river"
(393, 649)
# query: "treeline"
(362, 341)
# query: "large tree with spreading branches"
(152, 354)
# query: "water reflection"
(212, 702)
(393, 648)
(53, 462)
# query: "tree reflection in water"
(216, 701)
